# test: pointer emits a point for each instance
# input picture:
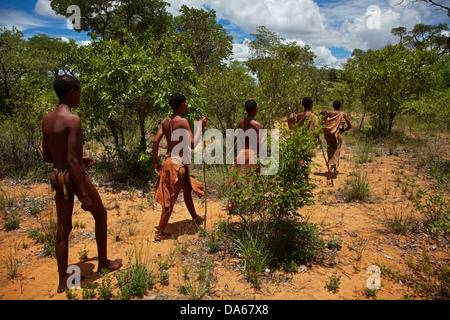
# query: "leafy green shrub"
(268, 208)
(134, 281)
(136, 278)
(435, 205)
(295, 244)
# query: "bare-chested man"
(306, 117)
(174, 171)
(250, 139)
(336, 123)
(62, 146)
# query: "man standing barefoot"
(63, 147)
(173, 173)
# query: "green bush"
(134, 281)
(268, 206)
(295, 244)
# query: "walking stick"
(204, 181)
(328, 166)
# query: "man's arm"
(349, 125)
(46, 150)
(195, 140)
(156, 141)
(291, 121)
(74, 141)
(259, 136)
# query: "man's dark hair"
(176, 100)
(250, 105)
(306, 102)
(337, 104)
(63, 84)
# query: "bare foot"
(62, 287)
(198, 220)
(160, 236)
(112, 265)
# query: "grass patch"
(357, 188)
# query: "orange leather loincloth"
(165, 190)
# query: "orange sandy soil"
(38, 279)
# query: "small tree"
(268, 205)
(389, 77)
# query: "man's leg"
(64, 208)
(100, 216)
(167, 211)
(331, 150)
(187, 194)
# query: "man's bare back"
(247, 124)
(180, 172)
(169, 125)
(62, 146)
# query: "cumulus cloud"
(324, 58)
(43, 8)
(359, 32)
(241, 51)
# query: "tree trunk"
(362, 120)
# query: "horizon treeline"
(139, 54)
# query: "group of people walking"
(334, 122)
(62, 147)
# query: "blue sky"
(331, 28)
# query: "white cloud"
(43, 8)
(83, 42)
(324, 57)
(19, 19)
(241, 51)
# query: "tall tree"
(225, 93)
(14, 63)
(422, 35)
(284, 70)
(107, 18)
(202, 39)
(133, 79)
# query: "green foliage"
(198, 286)
(279, 196)
(134, 280)
(202, 39)
(295, 243)
(387, 78)
(107, 18)
(27, 72)
(269, 55)
(133, 83)
(46, 234)
(334, 282)
(268, 207)
(424, 36)
(225, 93)
(254, 253)
(435, 205)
